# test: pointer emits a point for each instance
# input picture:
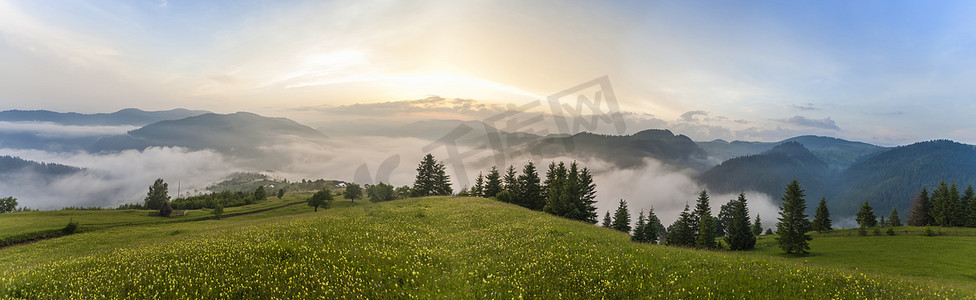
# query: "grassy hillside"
(23, 226)
(945, 260)
(415, 248)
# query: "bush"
(929, 231)
(218, 211)
(877, 231)
(891, 231)
(862, 231)
(504, 196)
(70, 228)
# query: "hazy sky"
(888, 72)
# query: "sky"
(885, 72)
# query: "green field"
(25, 226)
(416, 248)
(945, 260)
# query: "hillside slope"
(770, 172)
(626, 151)
(891, 179)
(423, 248)
(239, 134)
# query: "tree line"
(944, 207)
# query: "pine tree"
(942, 206)
(706, 233)
(821, 221)
(478, 190)
(680, 232)
(919, 215)
(260, 193)
(607, 221)
(740, 234)
(493, 183)
(655, 230)
(701, 209)
(865, 217)
(724, 218)
(953, 206)
(621, 218)
(793, 224)
(432, 179)
(757, 228)
(530, 191)
(971, 220)
(584, 198)
(640, 229)
(510, 180)
(556, 195)
(893, 219)
(964, 202)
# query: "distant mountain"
(625, 151)
(838, 154)
(128, 116)
(10, 165)
(770, 172)
(239, 134)
(891, 179)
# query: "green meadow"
(443, 247)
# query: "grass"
(414, 248)
(25, 226)
(945, 260)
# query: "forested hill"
(12, 164)
(892, 178)
(238, 134)
(128, 116)
(770, 172)
(627, 151)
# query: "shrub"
(70, 228)
(929, 231)
(891, 231)
(504, 196)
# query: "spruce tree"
(701, 209)
(510, 180)
(706, 233)
(493, 183)
(557, 198)
(478, 190)
(953, 206)
(971, 220)
(680, 232)
(740, 234)
(725, 218)
(919, 215)
(865, 217)
(654, 228)
(432, 179)
(821, 221)
(530, 190)
(943, 206)
(893, 219)
(621, 218)
(640, 229)
(793, 225)
(585, 197)
(757, 228)
(962, 218)
(607, 221)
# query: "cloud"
(806, 107)
(690, 116)
(113, 179)
(825, 123)
(52, 130)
